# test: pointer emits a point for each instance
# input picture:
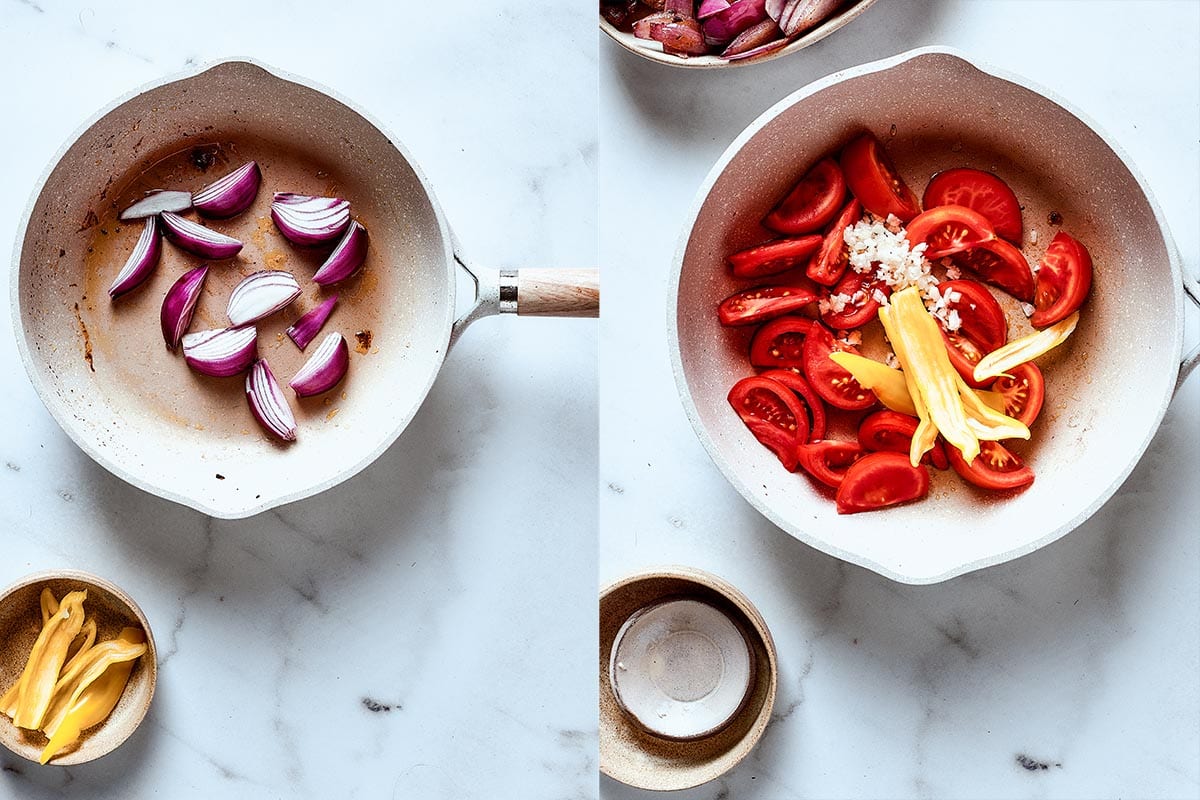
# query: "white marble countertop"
(1070, 673)
(400, 635)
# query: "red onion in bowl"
(307, 220)
(722, 27)
(156, 202)
(796, 16)
(755, 52)
(710, 7)
(346, 258)
(230, 195)
(758, 35)
(141, 261)
(324, 369)
(261, 295)
(197, 239)
(220, 353)
(678, 34)
(268, 404)
(305, 329)
(180, 303)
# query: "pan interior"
(1106, 388)
(102, 364)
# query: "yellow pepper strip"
(988, 423)
(46, 659)
(927, 369)
(85, 639)
(49, 605)
(81, 697)
(8, 703)
(993, 400)
(1027, 348)
(887, 383)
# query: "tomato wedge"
(979, 191)
(812, 203)
(763, 303)
(834, 384)
(1024, 392)
(773, 414)
(996, 467)
(780, 343)
(827, 461)
(947, 230)
(891, 431)
(862, 306)
(879, 480)
(773, 257)
(830, 261)
(982, 319)
(873, 179)
(964, 355)
(999, 263)
(1063, 280)
(816, 407)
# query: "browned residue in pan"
(90, 220)
(364, 341)
(87, 340)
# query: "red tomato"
(980, 191)
(982, 319)
(772, 257)
(835, 385)
(1023, 393)
(830, 261)
(812, 203)
(1063, 281)
(874, 181)
(964, 355)
(999, 263)
(780, 343)
(763, 303)
(947, 230)
(862, 307)
(891, 431)
(773, 414)
(816, 408)
(879, 480)
(996, 467)
(828, 461)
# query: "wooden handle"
(558, 293)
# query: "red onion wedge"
(196, 238)
(346, 258)
(755, 52)
(141, 262)
(324, 369)
(722, 27)
(753, 37)
(261, 295)
(678, 34)
(306, 220)
(710, 7)
(230, 195)
(180, 302)
(268, 404)
(220, 353)
(796, 16)
(156, 202)
(305, 329)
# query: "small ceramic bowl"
(20, 623)
(631, 754)
(653, 50)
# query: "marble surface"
(1070, 673)
(400, 635)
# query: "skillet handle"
(550, 292)
(1191, 288)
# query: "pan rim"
(449, 246)
(726, 468)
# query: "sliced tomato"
(828, 263)
(879, 480)
(1024, 392)
(964, 355)
(873, 179)
(816, 407)
(835, 385)
(812, 203)
(763, 303)
(773, 414)
(891, 431)
(780, 343)
(999, 263)
(862, 306)
(1063, 280)
(981, 318)
(980, 191)
(947, 230)
(996, 467)
(773, 257)
(827, 461)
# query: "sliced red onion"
(684, 8)
(268, 404)
(305, 329)
(678, 34)
(231, 195)
(758, 35)
(796, 16)
(220, 353)
(710, 7)
(141, 262)
(346, 258)
(722, 27)
(755, 52)
(309, 220)
(156, 202)
(325, 369)
(261, 295)
(180, 302)
(196, 238)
